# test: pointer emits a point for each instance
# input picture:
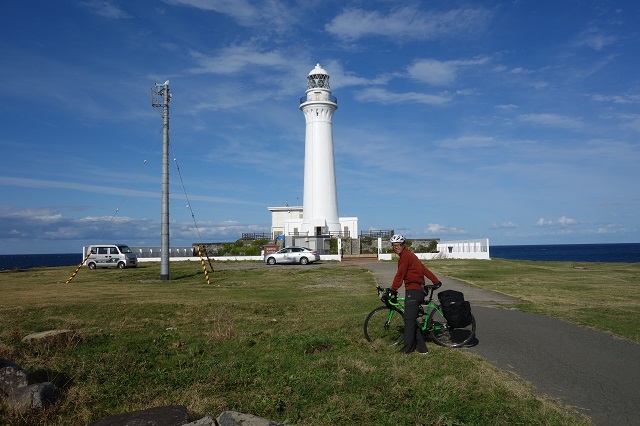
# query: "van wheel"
(92, 265)
(121, 265)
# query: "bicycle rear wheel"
(384, 325)
(444, 335)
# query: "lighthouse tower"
(320, 198)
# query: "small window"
(103, 250)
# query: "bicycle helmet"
(397, 238)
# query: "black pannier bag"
(456, 310)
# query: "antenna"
(160, 98)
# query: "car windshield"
(125, 249)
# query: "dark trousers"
(413, 338)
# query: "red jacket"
(412, 272)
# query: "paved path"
(593, 371)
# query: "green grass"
(284, 343)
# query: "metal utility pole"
(160, 98)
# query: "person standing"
(411, 272)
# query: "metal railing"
(340, 234)
(256, 236)
(377, 234)
(330, 234)
(329, 98)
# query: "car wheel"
(271, 261)
(121, 265)
(92, 265)
(304, 260)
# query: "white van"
(110, 256)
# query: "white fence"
(463, 249)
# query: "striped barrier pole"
(78, 268)
(204, 267)
(204, 248)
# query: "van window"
(103, 250)
(113, 250)
(125, 249)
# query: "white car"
(301, 255)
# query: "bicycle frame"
(430, 305)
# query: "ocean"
(26, 261)
(629, 253)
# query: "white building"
(287, 220)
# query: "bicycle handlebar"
(427, 288)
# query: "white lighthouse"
(320, 198)
(318, 216)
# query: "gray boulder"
(170, 415)
(205, 421)
(233, 418)
(12, 376)
(39, 395)
(49, 336)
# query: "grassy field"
(284, 343)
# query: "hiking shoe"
(424, 352)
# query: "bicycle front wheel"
(444, 335)
(385, 326)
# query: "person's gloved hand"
(388, 294)
(438, 284)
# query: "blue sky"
(517, 121)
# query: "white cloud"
(566, 221)
(386, 97)
(595, 39)
(274, 12)
(436, 230)
(617, 99)
(106, 9)
(47, 224)
(562, 222)
(236, 8)
(464, 142)
(504, 225)
(407, 23)
(552, 120)
(507, 107)
(239, 58)
(99, 189)
(440, 73)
